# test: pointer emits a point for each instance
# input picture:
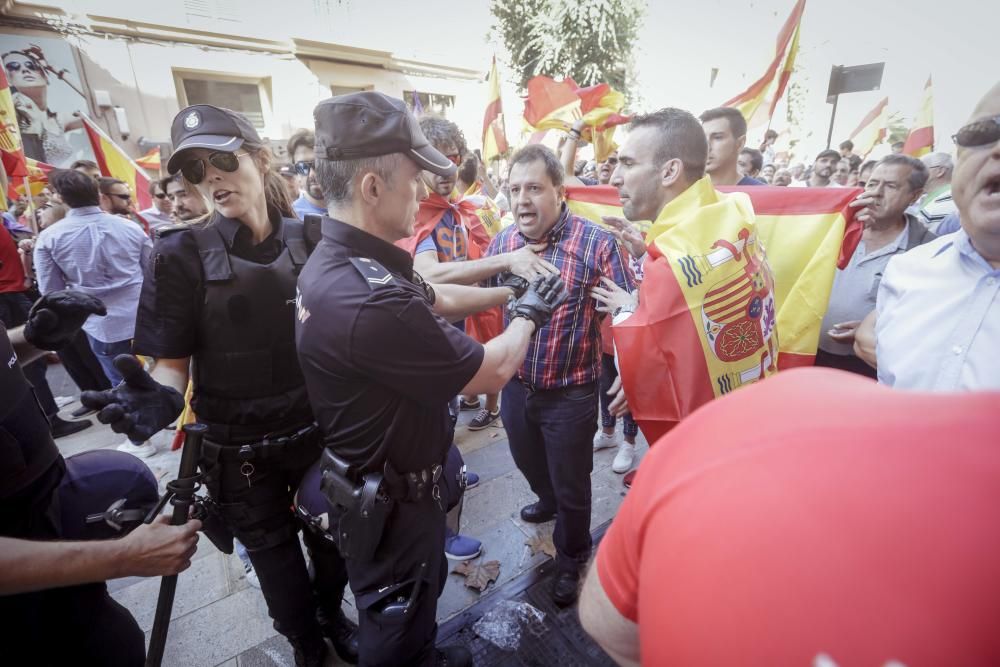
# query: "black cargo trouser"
(258, 511)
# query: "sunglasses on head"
(15, 66)
(978, 133)
(194, 169)
(303, 167)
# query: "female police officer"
(219, 299)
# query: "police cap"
(369, 124)
(206, 126)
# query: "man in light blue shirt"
(302, 151)
(937, 321)
(97, 253)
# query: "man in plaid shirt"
(550, 407)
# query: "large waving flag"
(705, 324)
(920, 141)
(494, 131)
(772, 85)
(871, 131)
(114, 162)
(11, 151)
(554, 104)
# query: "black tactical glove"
(139, 406)
(514, 282)
(538, 303)
(56, 318)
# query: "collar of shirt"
(960, 241)
(888, 249)
(364, 244)
(554, 234)
(83, 211)
(699, 194)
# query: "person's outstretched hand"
(539, 301)
(55, 319)
(139, 406)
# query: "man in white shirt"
(158, 215)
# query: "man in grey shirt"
(896, 182)
(98, 253)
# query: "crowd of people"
(331, 317)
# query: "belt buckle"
(245, 452)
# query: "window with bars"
(244, 97)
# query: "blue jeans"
(106, 353)
(608, 375)
(551, 434)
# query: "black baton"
(181, 494)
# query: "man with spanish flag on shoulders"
(707, 280)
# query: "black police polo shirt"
(380, 366)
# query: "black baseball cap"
(369, 124)
(206, 126)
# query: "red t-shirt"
(11, 270)
(816, 514)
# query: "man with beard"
(188, 205)
(822, 171)
(302, 151)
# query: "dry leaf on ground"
(542, 543)
(478, 574)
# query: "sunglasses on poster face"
(28, 65)
(303, 167)
(978, 133)
(194, 169)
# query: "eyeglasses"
(122, 197)
(611, 160)
(15, 66)
(194, 169)
(303, 167)
(160, 195)
(978, 133)
(455, 158)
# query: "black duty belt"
(255, 451)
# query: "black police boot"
(310, 650)
(62, 428)
(342, 633)
(537, 513)
(566, 587)
(453, 656)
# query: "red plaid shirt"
(567, 351)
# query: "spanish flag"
(114, 162)
(494, 132)
(557, 104)
(150, 161)
(871, 131)
(11, 151)
(920, 141)
(753, 98)
(736, 285)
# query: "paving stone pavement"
(219, 619)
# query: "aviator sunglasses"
(15, 66)
(978, 133)
(194, 169)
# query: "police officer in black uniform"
(219, 300)
(78, 624)
(381, 363)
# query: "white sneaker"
(605, 440)
(143, 450)
(251, 575)
(624, 458)
(63, 401)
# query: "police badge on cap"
(206, 126)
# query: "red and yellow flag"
(150, 161)
(772, 85)
(557, 104)
(494, 131)
(114, 162)
(871, 131)
(716, 311)
(10, 143)
(920, 141)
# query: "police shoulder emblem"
(192, 120)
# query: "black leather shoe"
(454, 656)
(566, 588)
(535, 513)
(343, 634)
(61, 427)
(309, 650)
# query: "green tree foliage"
(589, 40)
